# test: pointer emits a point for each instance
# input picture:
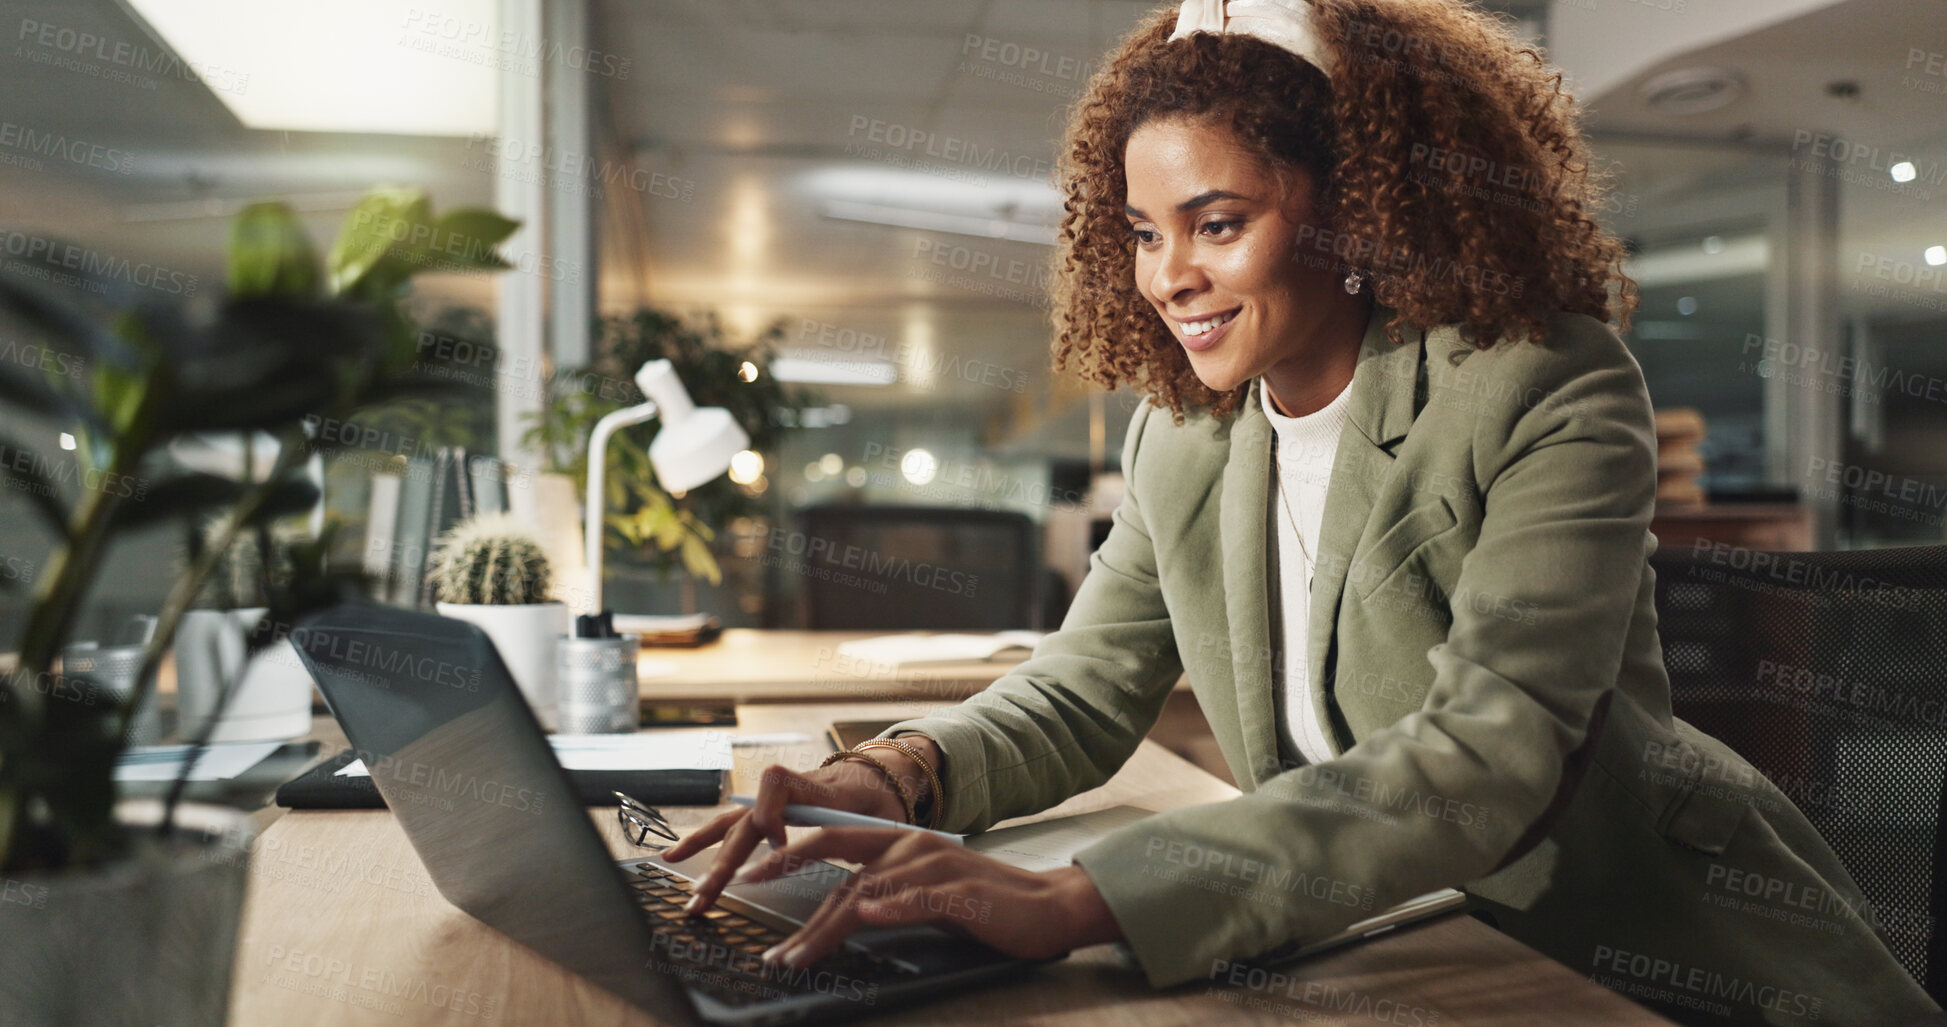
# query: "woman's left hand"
(907, 877)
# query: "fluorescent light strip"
(1669, 330)
(806, 371)
(1675, 265)
(933, 221)
(224, 209)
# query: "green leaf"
(118, 397)
(626, 526)
(670, 530)
(466, 237)
(382, 220)
(408, 254)
(270, 254)
(698, 560)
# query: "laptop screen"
(462, 762)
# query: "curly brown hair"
(1449, 167)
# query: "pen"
(800, 815)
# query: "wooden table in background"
(342, 897)
(750, 665)
(1779, 527)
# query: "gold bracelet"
(899, 789)
(932, 778)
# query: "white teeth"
(1200, 327)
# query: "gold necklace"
(1310, 564)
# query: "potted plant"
(272, 695)
(130, 919)
(490, 571)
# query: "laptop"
(462, 762)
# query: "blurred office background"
(861, 187)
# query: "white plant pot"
(526, 635)
(273, 699)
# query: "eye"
(1141, 235)
(1222, 226)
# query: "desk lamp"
(694, 446)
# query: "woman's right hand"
(849, 785)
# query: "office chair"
(1828, 672)
(915, 568)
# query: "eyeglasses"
(640, 820)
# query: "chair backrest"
(1828, 672)
(901, 568)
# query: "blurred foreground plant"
(297, 339)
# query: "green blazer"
(1484, 652)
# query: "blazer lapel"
(1242, 524)
(1387, 389)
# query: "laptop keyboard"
(718, 952)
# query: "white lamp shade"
(694, 450)
(693, 447)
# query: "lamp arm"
(597, 473)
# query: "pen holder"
(595, 685)
(112, 669)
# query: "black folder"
(322, 787)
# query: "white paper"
(667, 749)
(908, 650)
(1052, 844)
(218, 762)
(651, 624)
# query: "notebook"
(334, 784)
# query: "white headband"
(1284, 23)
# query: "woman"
(1394, 528)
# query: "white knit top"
(1305, 449)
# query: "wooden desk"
(749, 665)
(342, 926)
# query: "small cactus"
(491, 560)
(240, 576)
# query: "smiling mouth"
(1193, 329)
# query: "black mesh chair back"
(1828, 672)
(914, 568)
